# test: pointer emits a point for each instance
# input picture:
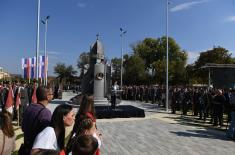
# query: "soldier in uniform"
(218, 101)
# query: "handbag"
(24, 150)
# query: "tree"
(116, 69)
(153, 52)
(218, 55)
(134, 71)
(64, 73)
(83, 63)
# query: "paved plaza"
(158, 133)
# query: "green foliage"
(116, 69)
(82, 63)
(64, 72)
(218, 55)
(153, 53)
(134, 70)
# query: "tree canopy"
(82, 63)
(153, 53)
(218, 55)
(64, 72)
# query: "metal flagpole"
(122, 33)
(45, 50)
(167, 89)
(37, 44)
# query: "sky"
(196, 25)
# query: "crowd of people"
(44, 132)
(199, 101)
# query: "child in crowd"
(87, 127)
(85, 111)
(85, 145)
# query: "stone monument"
(97, 79)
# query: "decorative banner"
(25, 68)
(29, 67)
(33, 67)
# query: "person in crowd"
(7, 135)
(36, 117)
(86, 110)
(218, 107)
(115, 88)
(3, 94)
(87, 127)
(23, 99)
(53, 136)
(85, 145)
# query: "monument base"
(121, 111)
(101, 101)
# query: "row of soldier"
(16, 96)
(203, 102)
(144, 93)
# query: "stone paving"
(159, 133)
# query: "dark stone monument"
(97, 80)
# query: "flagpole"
(37, 44)
(167, 89)
(45, 22)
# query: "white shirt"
(46, 139)
(98, 139)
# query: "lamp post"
(167, 89)
(37, 42)
(122, 33)
(45, 21)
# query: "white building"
(3, 75)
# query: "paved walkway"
(158, 133)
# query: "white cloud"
(192, 57)
(81, 5)
(187, 5)
(231, 19)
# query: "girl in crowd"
(7, 135)
(52, 137)
(87, 127)
(86, 110)
(85, 145)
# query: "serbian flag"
(46, 67)
(26, 66)
(33, 66)
(10, 100)
(34, 97)
(41, 66)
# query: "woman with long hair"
(86, 110)
(7, 135)
(53, 136)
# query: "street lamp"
(167, 89)
(45, 21)
(122, 33)
(37, 42)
